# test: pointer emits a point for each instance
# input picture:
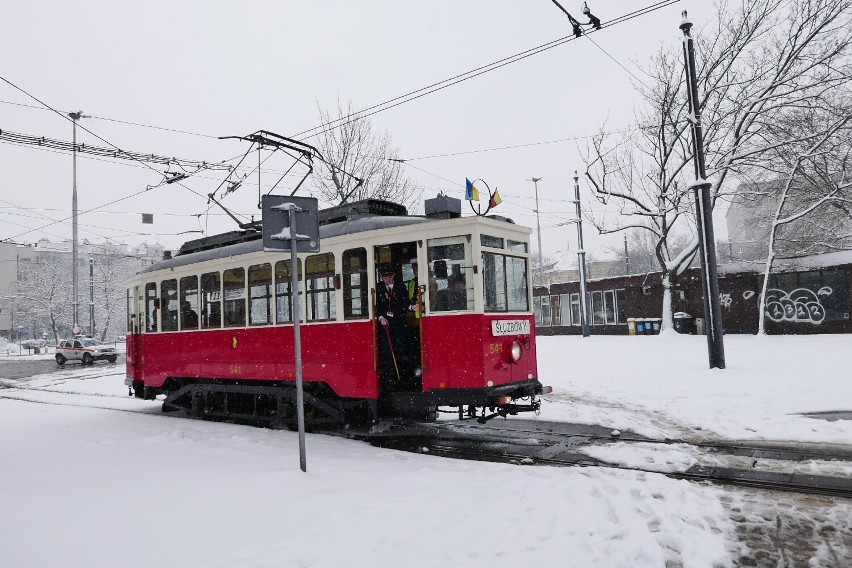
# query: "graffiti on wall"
(799, 306)
(725, 300)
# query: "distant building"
(14, 255)
(810, 294)
(749, 218)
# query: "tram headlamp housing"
(517, 351)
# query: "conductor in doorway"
(392, 307)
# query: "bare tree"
(543, 274)
(818, 179)
(111, 271)
(43, 295)
(754, 64)
(359, 162)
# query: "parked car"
(86, 350)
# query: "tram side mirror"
(440, 268)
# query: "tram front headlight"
(517, 351)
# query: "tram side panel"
(460, 351)
(340, 354)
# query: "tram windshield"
(450, 274)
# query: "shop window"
(621, 306)
(576, 317)
(835, 302)
(598, 313)
(609, 306)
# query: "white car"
(86, 350)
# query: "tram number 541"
(495, 348)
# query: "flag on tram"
(470, 192)
(495, 199)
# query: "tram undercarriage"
(274, 405)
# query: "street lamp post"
(703, 211)
(535, 181)
(75, 116)
(581, 260)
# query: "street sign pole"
(292, 222)
(297, 338)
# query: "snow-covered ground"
(92, 477)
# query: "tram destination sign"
(276, 223)
(510, 327)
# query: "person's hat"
(386, 269)
(413, 261)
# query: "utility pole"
(626, 257)
(581, 260)
(91, 296)
(535, 180)
(75, 116)
(703, 212)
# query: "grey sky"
(231, 68)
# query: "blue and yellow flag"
(495, 198)
(470, 191)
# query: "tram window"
(516, 246)
(319, 278)
(355, 284)
(504, 283)
(283, 291)
(260, 294)
(168, 305)
(211, 300)
(234, 295)
(491, 242)
(189, 302)
(130, 314)
(151, 306)
(450, 274)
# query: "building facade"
(805, 295)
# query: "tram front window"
(504, 283)
(450, 274)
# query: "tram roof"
(254, 243)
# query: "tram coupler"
(511, 409)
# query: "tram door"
(399, 343)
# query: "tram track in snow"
(747, 464)
(549, 444)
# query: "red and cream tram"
(211, 328)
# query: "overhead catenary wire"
(440, 85)
(68, 118)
